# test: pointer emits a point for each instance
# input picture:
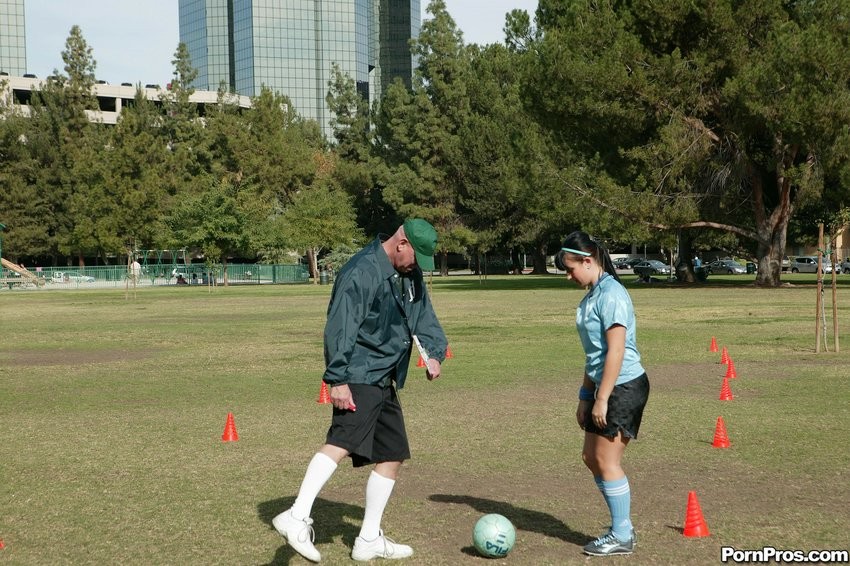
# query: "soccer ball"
(493, 535)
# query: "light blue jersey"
(605, 305)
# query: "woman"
(615, 386)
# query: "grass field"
(113, 410)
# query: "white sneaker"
(298, 533)
(381, 547)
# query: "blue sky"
(135, 41)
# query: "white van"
(809, 264)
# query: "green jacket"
(371, 321)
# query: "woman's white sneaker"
(609, 544)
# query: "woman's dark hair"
(582, 242)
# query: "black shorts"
(375, 431)
(625, 409)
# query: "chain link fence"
(114, 276)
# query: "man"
(378, 304)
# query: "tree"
(93, 204)
(136, 160)
(220, 221)
(276, 155)
(685, 116)
(320, 218)
(182, 132)
(23, 209)
(508, 187)
(359, 171)
(63, 142)
(418, 133)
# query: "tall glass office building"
(13, 38)
(290, 46)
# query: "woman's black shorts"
(375, 431)
(625, 409)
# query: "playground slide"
(22, 271)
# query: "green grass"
(113, 409)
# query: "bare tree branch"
(584, 192)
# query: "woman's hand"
(581, 412)
(600, 413)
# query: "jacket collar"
(387, 269)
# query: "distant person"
(379, 302)
(181, 280)
(135, 270)
(697, 262)
(614, 389)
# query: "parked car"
(64, 277)
(809, 264)
(650, 267)
(728, 266)
(627, 263)
(844, 266)
(81, 278)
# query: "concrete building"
(17, 93)
(289, 46)
(13, 38)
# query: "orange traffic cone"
(730, 370)
(324, 395)
(449, 352)
(713, 347)
(420, 363)
(230, 434)
(2, 545)
(724, 356)
(694, 521)
(725, 392)
(721, 439)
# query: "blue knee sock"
(598, 480)
(618, 496)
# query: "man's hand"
(433, 369)
(341, 397)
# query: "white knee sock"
(378, 491)
(319, 471)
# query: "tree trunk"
(224, 269)
(444, 264)
(475, 264)
(772, 229)
(313, 264)
(771, 248)
(516, 262)
(684, 266)
(538, 260)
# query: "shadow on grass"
(329, 520)
(523, 519)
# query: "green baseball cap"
(423, 238)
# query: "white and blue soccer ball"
(493, 536)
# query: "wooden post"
(819, 303)
(131, 273)
(127, 279)
(834, 293)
